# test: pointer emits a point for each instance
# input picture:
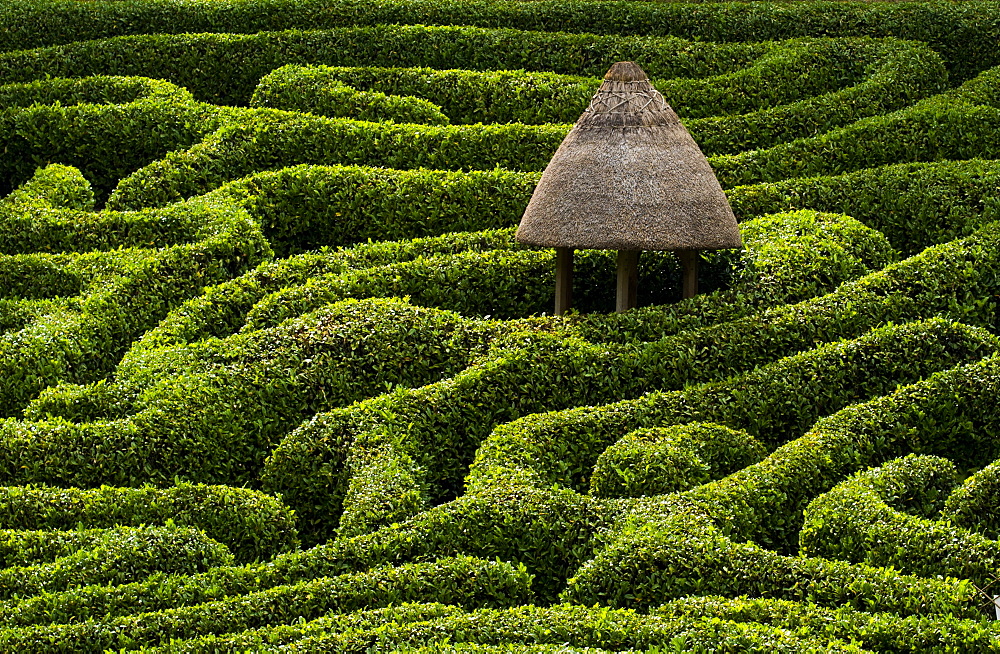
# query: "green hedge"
(324, 97)
(105, 141)
(258, 639)
(271, 139)
(464, 581)
(972, 504)
(774, 403)
(120, 557)
(861, 520)
(305, 207)
(253, 525)
(567, 628)
(951, 280)
(949, 414)
(953, 125)
(853, 77)
(965, 33)
(875, 631)
(465, 96)
(665, 460)
(898, 75)
(674, 551)
(914, 205)
(99, 89)
(82, 340)
(211, 413)
(225, 68)
(56, 186)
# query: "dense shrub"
(774, 403)
(99, 89)
(664, 460)
(270, 139)
(465, 96)
(105, 141)
(56, 186)
(914, 205)
(966, 33)
(861, 520)
(225, 68)
(972, 504)
(238, 397)
(954, 125)
(82, 340)
(119, 557)
(253, 525)
(464, 581)
(325, 97)
(305, 207)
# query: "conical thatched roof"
(629, 177)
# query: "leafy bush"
(300, 90)
(664, 460)
(861, 520)
(119, 557)
(251, 524)
(971, 505)
(464, 581)
(914, 205)
(225, 68)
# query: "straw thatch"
(629, 177)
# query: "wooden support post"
(564, 280)
(628, 280)
(689, 261)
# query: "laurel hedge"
(253, 525)
(464, 581)
(324, 97)
(965, 33)
(886, 517)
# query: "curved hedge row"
(305, 207)
(971, 505)
(99, 89)
(105, 141)
(55, 186)
(129, 291)
(324, 97)
(253, 525)
(853, 78)
(225, 68)
(861, 520)
(946, 414)
(966, 33)
(464, 581)
(953, 125)
(656, 461)
(773, 403)
(119, 557)
(238, 397)
(914, 205)
(271, 139)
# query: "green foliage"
(913, 205)
(664, 460)
(297, 89)
(119, 557)
(253, 525)
(225, 68)
(464, 581)
(971, 505)
(870, 518)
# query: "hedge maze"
(275, 375)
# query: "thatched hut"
(628, 177)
